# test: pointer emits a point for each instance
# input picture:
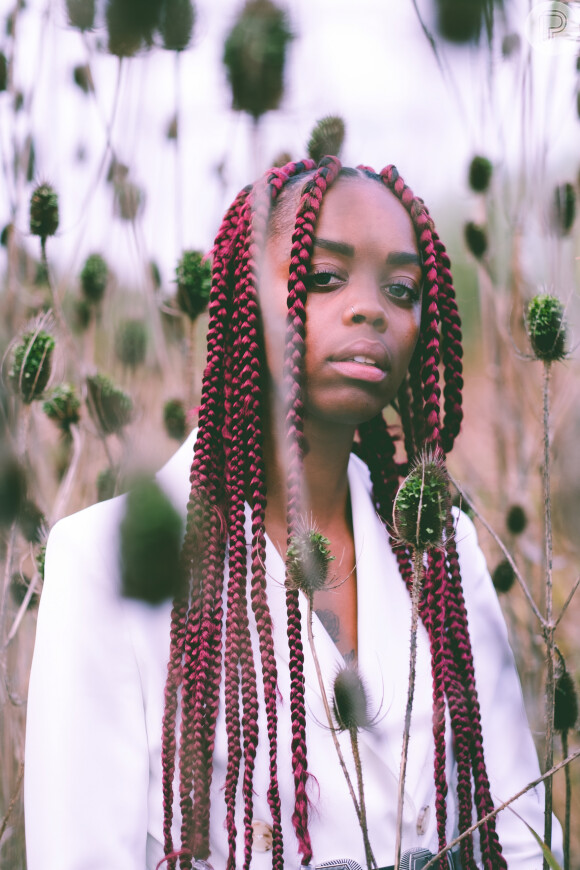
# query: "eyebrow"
(395, 258)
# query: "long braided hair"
(228, 466)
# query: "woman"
(332, 299)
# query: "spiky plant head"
(44, 211)
(350, 703)
(131, 25)
(516, 519)
(151, 533)
(81, 13)
(131, 343)
(326, 138)
(83, 78)
(480, 171)
(307, 561)
(475, 239)
(32, 522)
(12, 486)
(176, 24)
(460, 22)
(63, 406)
(94, 278)
(193, 274)
(31, 364)
(129, 200)
(421, 504)
(565, 702)
(503, 576)
(106, 484)
(255, 56)
(175, 419)
(110, 408)
(547, 327)
(564, 208)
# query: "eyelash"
(413, 292)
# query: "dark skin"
(363, 319)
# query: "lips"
(362, 361)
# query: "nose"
(366, 307)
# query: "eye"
(404, 292)
(323, 280)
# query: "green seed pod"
(459, 21)
(307, 561)
(129, 200)
(255, 56)
(510, 45)
(3, 72)
(547, 327)
(32, 522)
(155, 274)
(131, 25)
(503, 576)
(94, 278)
(81, 14)
(106, 484)
(131, 343)
(176, 24)
(326, 138)
(44, 211)
(81, 315)
(31, 365)
(151, 533)
(83, 78)
(565, 703)
(564, 208)
(63, 407)
(6, 234)
(173, 129)
(12, 487)
(40, 557)
(193, 274)
(350, 702)
(516, 519)
(31, 165)
(480, 170)
(110, 408)
(421, 505)
(475, 239)
(282, 159)
(174, 419)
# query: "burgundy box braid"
(228, 465)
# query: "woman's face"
(363, 308)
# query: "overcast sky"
(367, 60)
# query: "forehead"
(354, 210)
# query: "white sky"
(364, 59)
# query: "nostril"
(358, 318)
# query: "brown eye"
(323, 280)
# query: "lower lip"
(359, 371)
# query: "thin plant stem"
(363, 812)
(22, 610)
(13, 800)
(568, 802)
(65, 488)
(545, 776)
(568, 600)
(417, 579)
(548, 626)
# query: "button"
(423, 820)
(262, 836)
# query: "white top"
(93, 795)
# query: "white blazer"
(93, 796)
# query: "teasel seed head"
(307, 561)
(12, 486)
(421, 504)
(44, 211)
(110, 408)
(480, 171)
(94, 278)
(106, 484)
(176, 24)
(475, 239)
(326, 138)
(81, 13)
(3, 72)
(31, 364)
(547, 327)
(131, 343)
(175, 419)
(565, 702)
(32, 522)
(503, 576)
(151, 533)
(350, 703)
(63, 406)
(83, 78)
(564, 208)
(516, 519)
(193, 274)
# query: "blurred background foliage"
(126, 127)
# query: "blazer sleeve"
(510, 754)
(86, 774)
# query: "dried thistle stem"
(568, 802)
(548, 625)
(363, 812)
(417, 580)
